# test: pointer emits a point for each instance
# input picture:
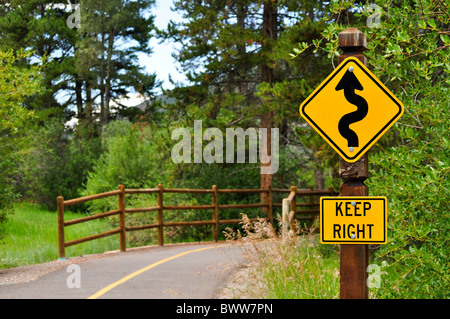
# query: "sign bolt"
(351, 149)
(353, 203)
(350, 69)
(353, 236)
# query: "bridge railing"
(309, 211)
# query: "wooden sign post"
(354, 258)
(351, 109)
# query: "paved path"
(190, 271)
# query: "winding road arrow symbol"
(349, 83)
(338, 109)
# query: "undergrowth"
(284, 264)
(31, 236)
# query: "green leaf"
(422, 24)
(432, 23)
(445, 39)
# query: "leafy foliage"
(16, 83)
(55, 162)
(239, 74)
(409, 52)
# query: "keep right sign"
(353, 220)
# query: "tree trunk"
(241, 48)
(79, 99)
(269, 30)
(109, 54)
(319, 178)
(89, 103)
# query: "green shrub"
(414, 176)
(411, 163)
(134, 155)
(16, 84)
(55, 163)
(139, 156)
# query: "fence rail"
(122, 211)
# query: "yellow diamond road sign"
(353, 220)
(351, 109)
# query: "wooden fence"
(308, 210)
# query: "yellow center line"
(140, 271)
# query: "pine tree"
(40, 26)
(113, 33)
(83, 66)
(237, 57)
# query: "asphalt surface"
(197, 271)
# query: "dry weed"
(284, 264)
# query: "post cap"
(352, 39)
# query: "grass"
(30, 236)
(293, 269)
(286, 266)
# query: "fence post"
(353, 257)
(285, 216)
(61, 243)
(160, 216)
(331, 190)
(270, 199)
(215, 214)
(293, 207)
(311, 198)
(311, 206)
(123, 246)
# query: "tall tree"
(113, 33)
(41, 26)
(293, 80)
(269, 33)
(83, 66)
(236, 54)
(225, 45)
